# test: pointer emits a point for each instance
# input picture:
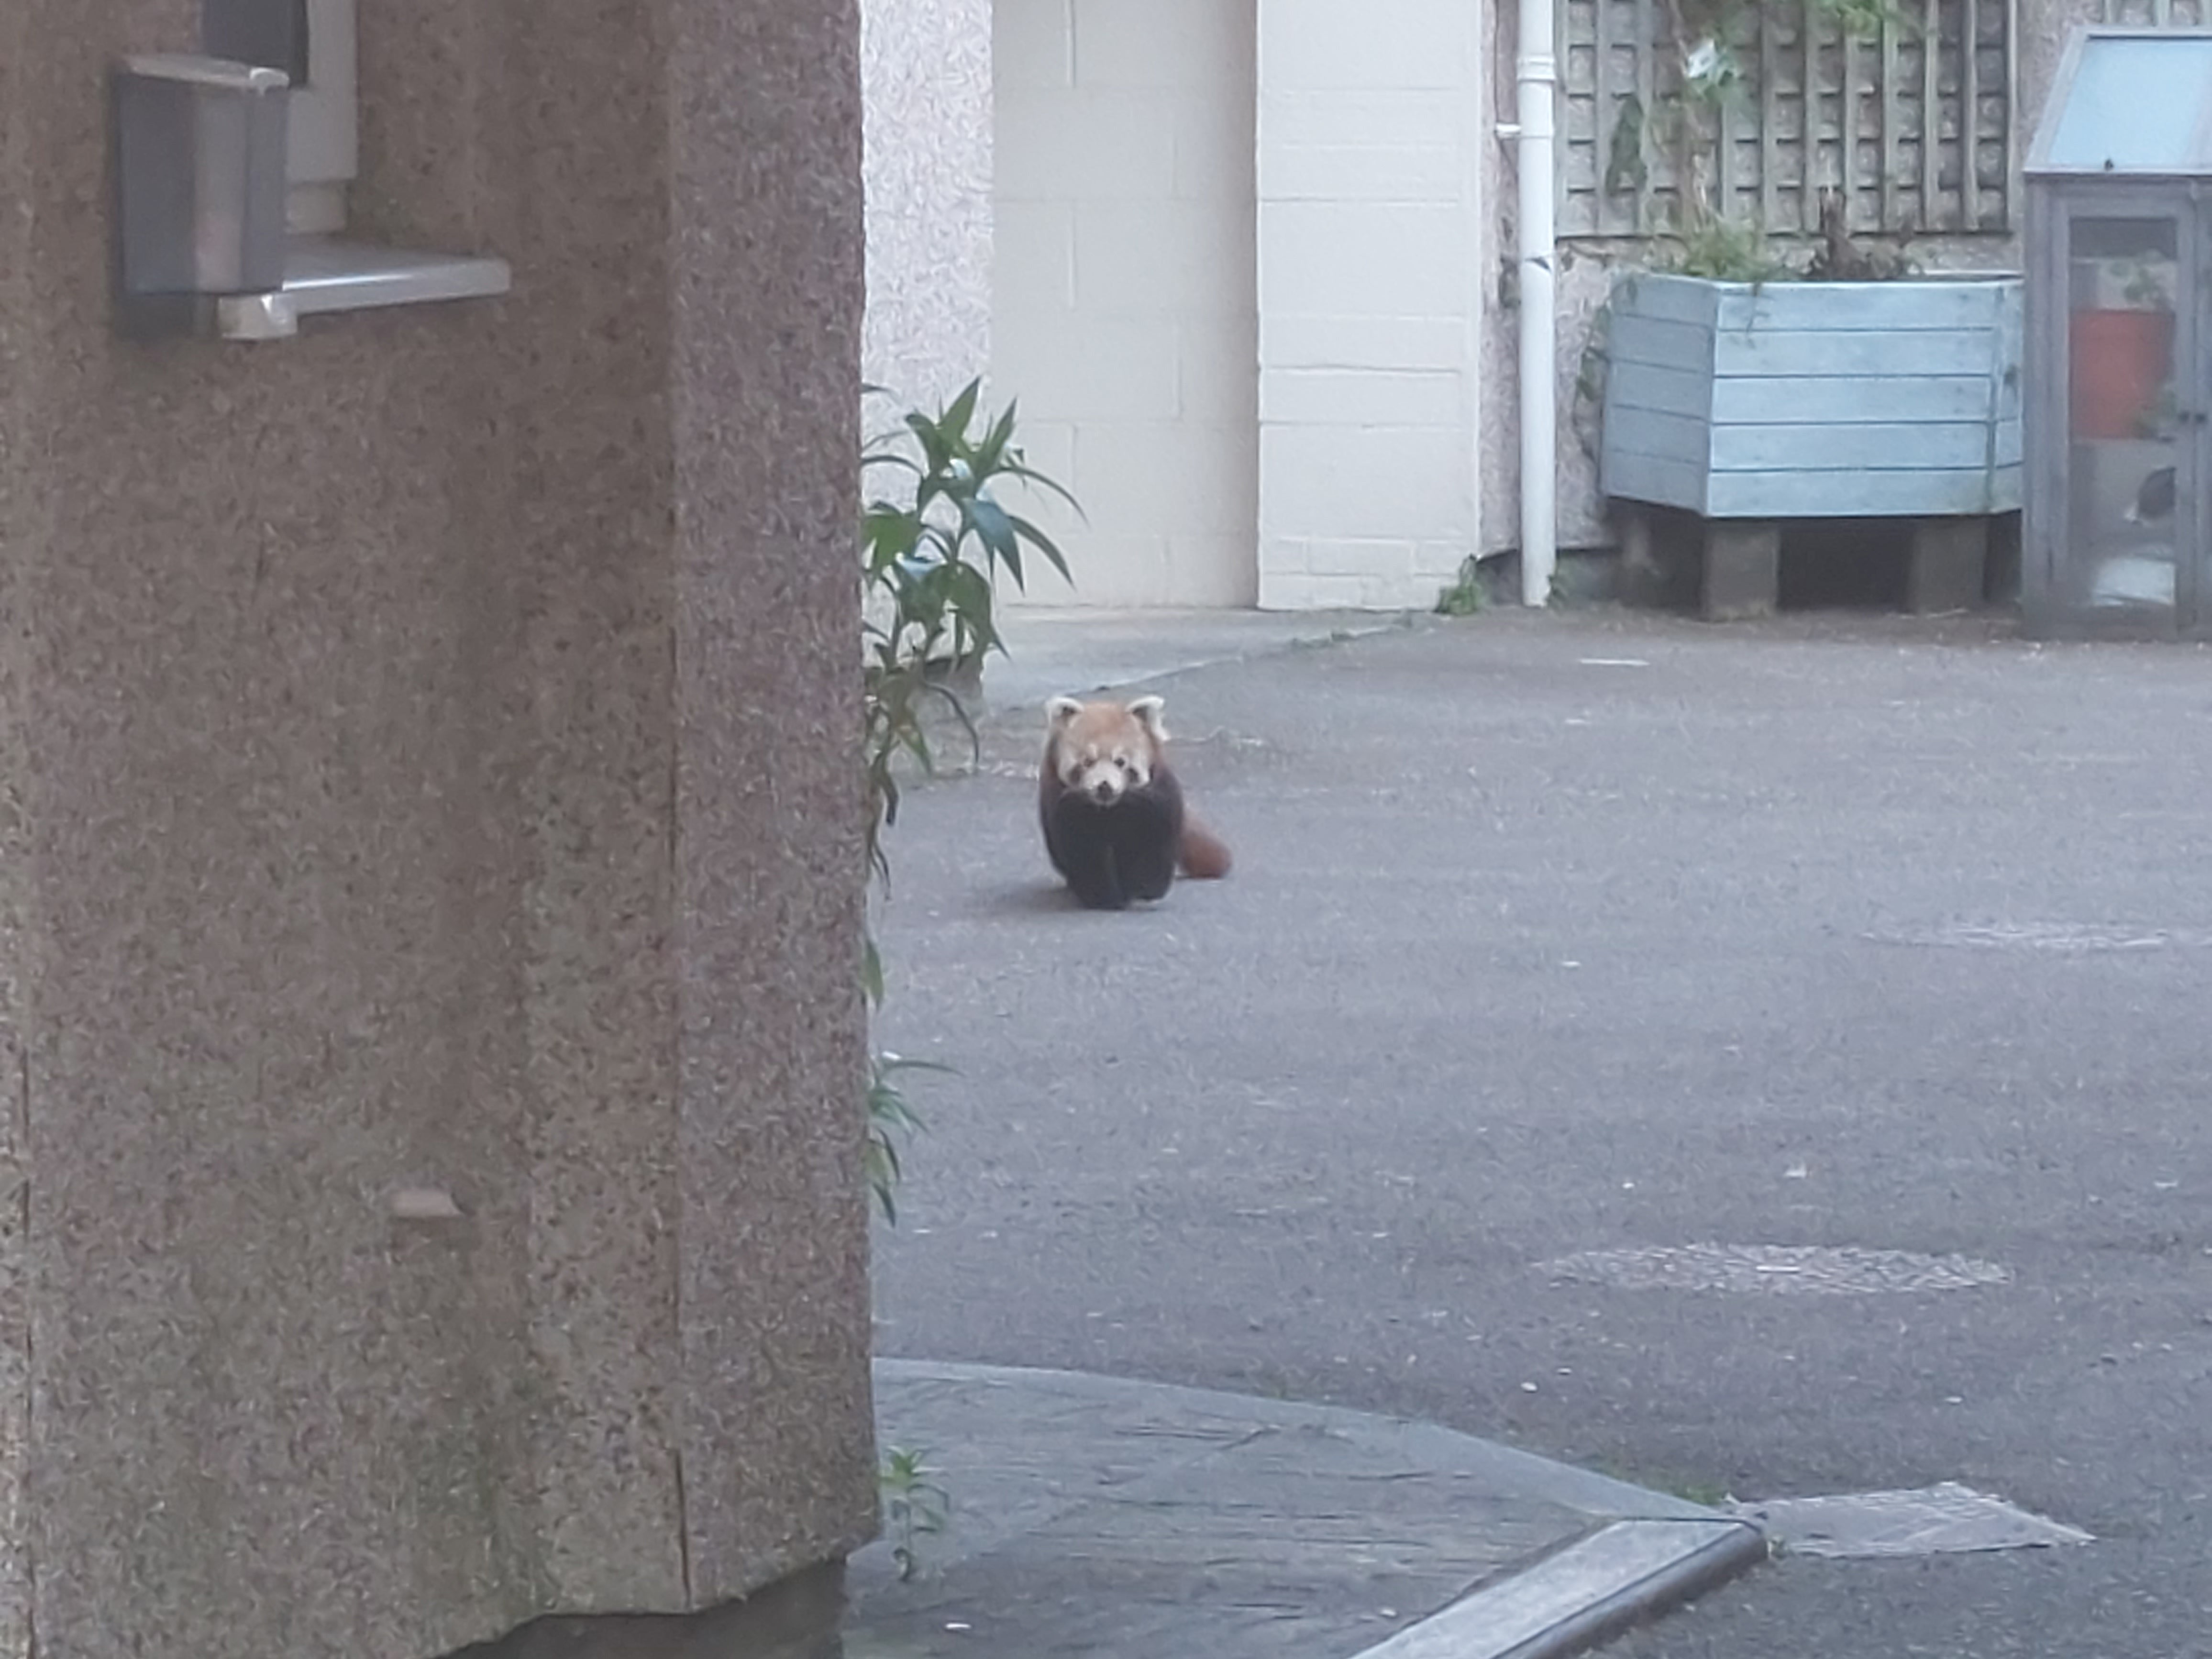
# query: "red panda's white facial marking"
(1104, 750)
(1105, 777)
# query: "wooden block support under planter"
(1945, 566)
(1743, 570)
(1751, 404)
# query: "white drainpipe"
(1535, 73)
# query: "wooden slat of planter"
(1888, 493)
(1661, 437)
(1675, 299)
(1834, 307)
(1773, 399)
(2011, 329)
(1871, 355)
(1852, 447)
(1670, 391)
(1663, 343)
(1932, 303)
(1661, 483)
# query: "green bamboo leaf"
(995, 529)
(967, 722)
(954, 422)
(968, 592)
(1029, 475)
(1043, 543)
(883, 1174)
(934, 449)
(903, 1064)
(899, 458)
(890, 533)
(990, 454)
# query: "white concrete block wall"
(1124, 313)
(1371, 295)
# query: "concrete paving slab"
(1103, 1517)
(1946, 1519)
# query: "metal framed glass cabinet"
(2118, 407)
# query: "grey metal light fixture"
(199, 187)
(203, 149)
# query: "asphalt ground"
(1597, 931)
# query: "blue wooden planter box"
(1799, 400)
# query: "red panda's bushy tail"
(1203, 855)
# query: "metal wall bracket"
(324, 275)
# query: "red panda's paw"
(1203, 855)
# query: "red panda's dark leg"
(1080, 841)
(1147, 833)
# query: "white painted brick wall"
(1389, 46)
(1154, 44)
(1124, 303)
(1395, 259)
(1072, 146)
(1335, 480)
(1370, 291)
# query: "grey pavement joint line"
(1584, 1594)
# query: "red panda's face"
(1103, 750)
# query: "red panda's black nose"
(1101, 792)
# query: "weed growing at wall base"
(915, 1506)
(1467, 595)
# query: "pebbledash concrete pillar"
(430, 1165)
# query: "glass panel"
(2137, 104)
(272, 33)
(2122, 423)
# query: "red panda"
(1115, 825)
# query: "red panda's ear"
(1148, 713)
(1059, 711)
